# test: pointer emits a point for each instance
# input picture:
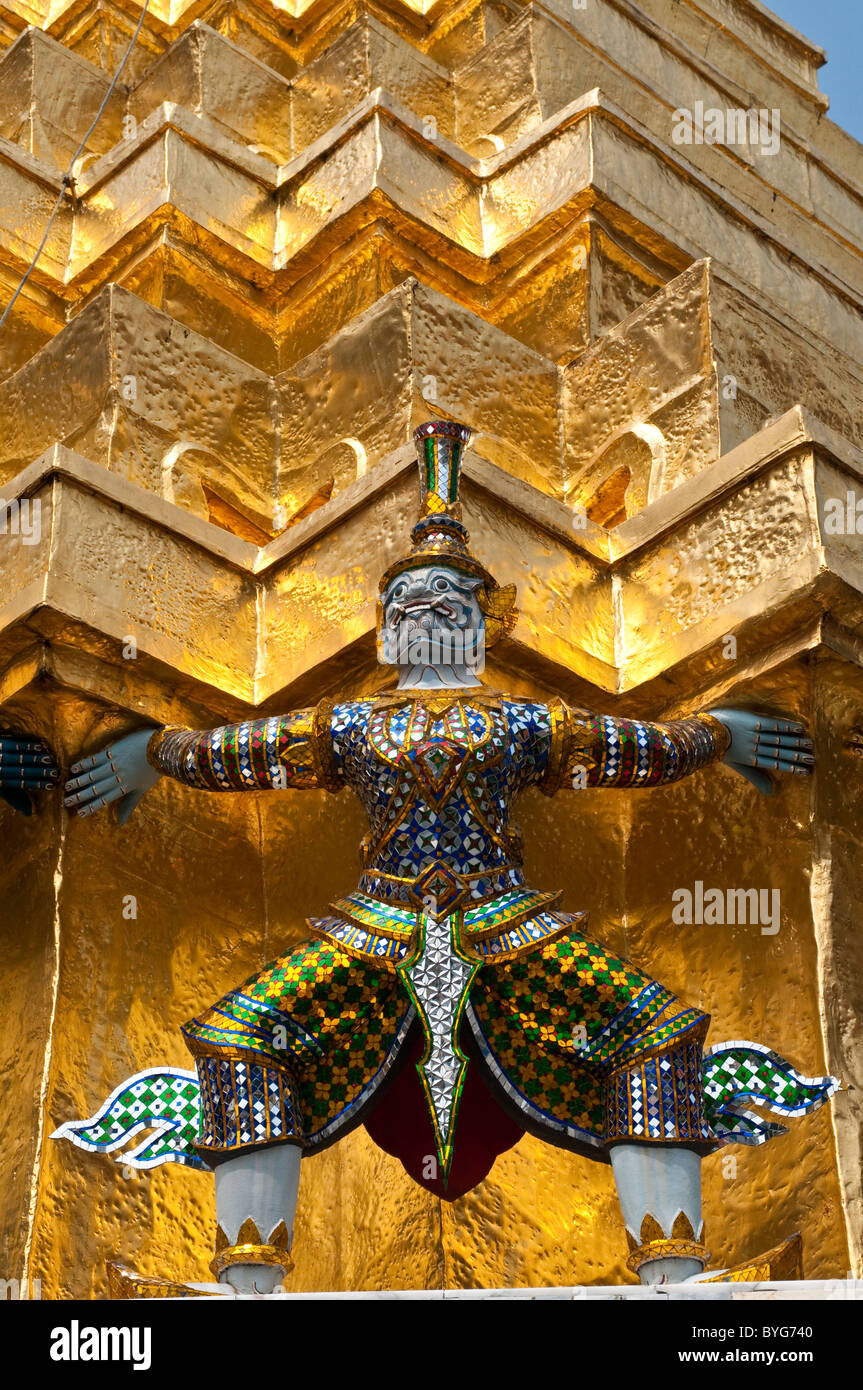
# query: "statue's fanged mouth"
(416, 608)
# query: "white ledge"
(818, 1290)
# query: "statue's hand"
(119, 773)
(26, 765)
(758, 741)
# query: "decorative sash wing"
(735, 1072)
(165, 1101)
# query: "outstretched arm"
(591, 750)
(285, 752)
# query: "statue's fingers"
(94, 761)
(23, 745)
(786, 762)
(770, 750)
(86, 779)
(48, 777)
(11, 771)
(768, 723)
(26, 758)
(29, 772)
(102, 784)
(785, 748)
(78, 799)
(29, 777)
(105, 773)
(797, 765)
(91, 791)
(800, 750)
(76, 785)
(793, 743)
(782, 742)
(784, 753)
(104, 799)
(760, 780)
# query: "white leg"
(258, 1186)
(660, 1182)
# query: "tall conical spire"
(440, 445)
(439, 535)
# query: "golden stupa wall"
(295, 233)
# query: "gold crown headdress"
(440, 536)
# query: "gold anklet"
(667, 1250)
(250, 1249)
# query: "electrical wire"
(68, 177)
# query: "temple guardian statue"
(446, 1003)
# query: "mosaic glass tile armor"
(443, 929)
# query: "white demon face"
(431, 618)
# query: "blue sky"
(837, 26)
